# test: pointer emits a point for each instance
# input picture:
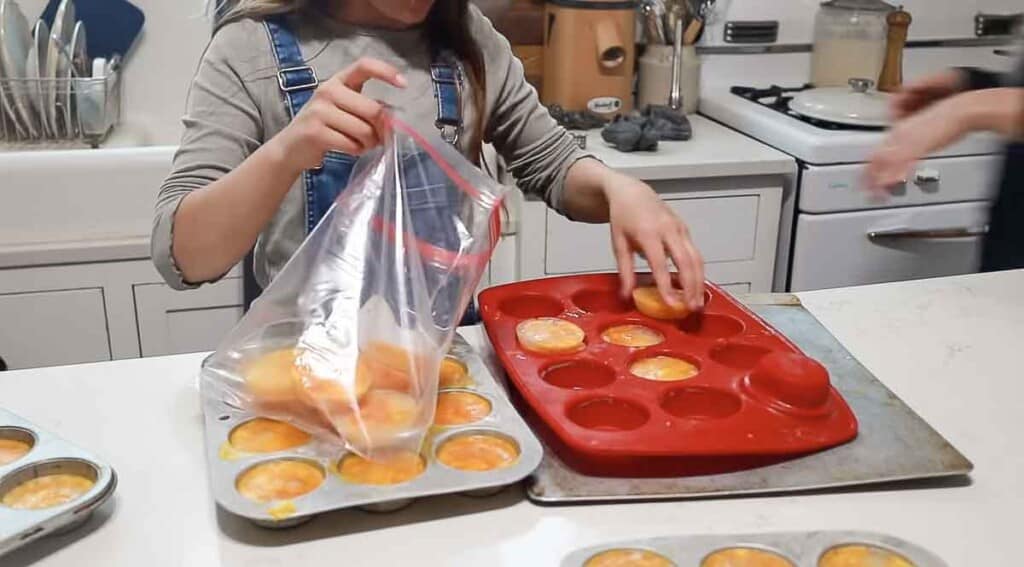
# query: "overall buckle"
(284, 79)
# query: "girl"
(289, 91)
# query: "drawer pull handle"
(926, 176)
(929, 233)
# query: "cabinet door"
(724, 228)
(175, 322)
(51, 328)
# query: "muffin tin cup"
(601, 421)
(49, 454)
(801, 549)
(336, 493)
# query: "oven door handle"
(929, 233)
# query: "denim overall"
(429, 195)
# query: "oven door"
(884, 245)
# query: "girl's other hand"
(337, 118)
(642, 223)
(922, 93)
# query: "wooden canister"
(589, 52)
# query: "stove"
(777, 98)
(833, 232)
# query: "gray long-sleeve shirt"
(235, 105)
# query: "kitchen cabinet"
(733, 221)
(51, 328)
(91, 311)
(176, 322)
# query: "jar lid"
(866, 5)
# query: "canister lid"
(866, 5)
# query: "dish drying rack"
(47, 113)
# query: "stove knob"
(925, 176)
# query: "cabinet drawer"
(175, 322)
(724, 228)
(52, 328)
(838, 249)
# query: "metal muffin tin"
(335, 493)
(48, 454)
(802, 549)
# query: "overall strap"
(447, 77)
(296, 79)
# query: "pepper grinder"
(891, 78)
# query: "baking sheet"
(336, 494)
(802, 548)
(20, 527)
(893, 444)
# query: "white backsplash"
(933, 19)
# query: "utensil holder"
(655, 77)
(67, 112)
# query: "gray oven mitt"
(641, 131)
(630, 134)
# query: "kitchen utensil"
(893, 443)
(602, 420)
(654, 77)
(589, 55)
(15, 42)
(113, 25)
(226, 463)
(654, 32)
(849, 41)
(891, 78)
(693, 31)
(792, 549)
(47, 455)
(675, 101)
(60, 36)
(673, 14)
(856, 105)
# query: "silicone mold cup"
(756, 399)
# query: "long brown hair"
(447, 26)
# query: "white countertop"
(948, 347)
(714, 151)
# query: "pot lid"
(858, 105)
(867, 5)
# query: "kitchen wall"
(159, 69)
(933, 19)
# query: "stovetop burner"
(777, 98)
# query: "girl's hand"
(642, 223)
(338, 117)
(922, 93)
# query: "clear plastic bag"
(348, 339)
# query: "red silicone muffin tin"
(755, 400)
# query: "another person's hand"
(913, 138)
(999, 110)
(642, 223)
(338, 117)
(920, 94)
